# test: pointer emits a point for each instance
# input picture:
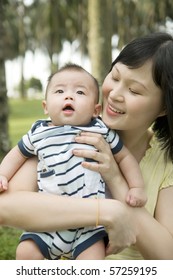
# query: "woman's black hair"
(157, 47)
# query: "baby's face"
(71, 98)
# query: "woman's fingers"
(103, 160)
(93, 139)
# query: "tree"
(99, 36)
(34, 84)
(137, 18)
(4, 137)
(59, 21)
(16, 35)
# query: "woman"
(137, 94)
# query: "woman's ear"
(44, 107)
(163, 113)
(97, 110)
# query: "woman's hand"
(119, 223)
(104, 160)
(104, 163)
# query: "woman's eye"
(115, 78)
(134, 91)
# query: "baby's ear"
(97, 110)
(44, 107)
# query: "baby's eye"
(59, 91)
(80, 92)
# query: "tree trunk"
(99, 37)
(4, 137)
(22, 47)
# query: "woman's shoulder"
(154, 149)
(155, 154)
(155, 166)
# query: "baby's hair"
(76, 67)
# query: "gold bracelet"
(97, 213)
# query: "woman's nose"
(116, 95)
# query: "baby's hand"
(3, 183)
(136, 197)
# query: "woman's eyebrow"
(133, 80)
(140, 83)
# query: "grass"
(22, 114)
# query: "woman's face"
(131, 99)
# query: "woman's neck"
(137, 144)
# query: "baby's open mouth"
(68, 108)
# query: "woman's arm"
(22, 207)
(39, 212)
(155, 234)
(155, 238)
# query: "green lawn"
(22, 114)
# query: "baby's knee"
(28, 250)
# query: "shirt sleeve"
(114, 141)
(26, 144)
(168, 176)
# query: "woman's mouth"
(114, 111)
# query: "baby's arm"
(9, 165)
(132, 173)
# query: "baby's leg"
(28, 250)
(136, 197)
(94, 252)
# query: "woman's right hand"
(119, 225)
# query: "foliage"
(32, 85)
(47, 24)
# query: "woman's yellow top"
(157, 174)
